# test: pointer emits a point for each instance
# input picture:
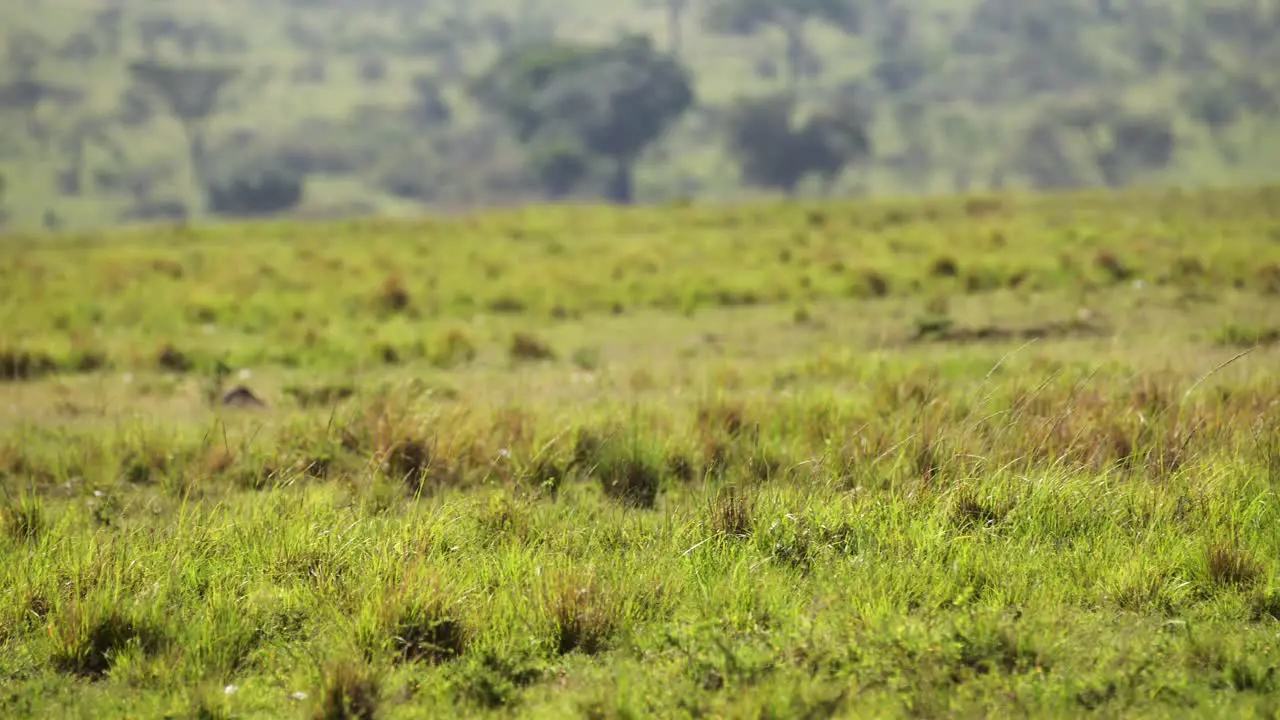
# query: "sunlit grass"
(723, 509)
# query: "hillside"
(369, 106)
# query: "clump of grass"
(412, 460)
(25, 365)
(721, 418)
(492, 679)
(1231, 565)
(88, 636)
(945, 267)
(1236, 335)
(871, 284)
(209, 703)
(452, 349)
(172, 359)
(986, 279)
(393, 296)
(24, 519)
(1265, 605)
(529, 347)
(86, 361)
(1269, 278)
(969, 510)
(507, 305)
(731, 513)
(936, 320)
(505, 516)
(586, 359)
(1188, 267)
(584, 616)
(320, 395)
(421, 622)
(143, 466)
(1111, 264)
(387, 353)
(350, 691)
(629, 477)
(983, 206)
(928, 326)
(680, 467)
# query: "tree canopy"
(604, 102)
(774, 150)
(748, 17)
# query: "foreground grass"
(988, 510)
(1048, 544)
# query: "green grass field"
(1003, 455)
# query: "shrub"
(255, 193)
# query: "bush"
(254, 193)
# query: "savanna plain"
(1010, 455)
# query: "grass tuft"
(730, 513)
(529, 347)
(420, 622)
(629, 476)
(172, 359)
(350, 691)
(452, 349)
(1232, 566)
(18, 365)
(23, 519)
(88, 637)
(583, 615)
(393, 296)
(969, 510)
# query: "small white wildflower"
(298, 695)
(230, 689)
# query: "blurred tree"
(255, 192)
(609, 102)
(1098, 142)
(675, 10)
(773, 150)
(748, 17)
(84, 135)
(191, 95)
(430, 106)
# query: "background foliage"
(138, 110)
